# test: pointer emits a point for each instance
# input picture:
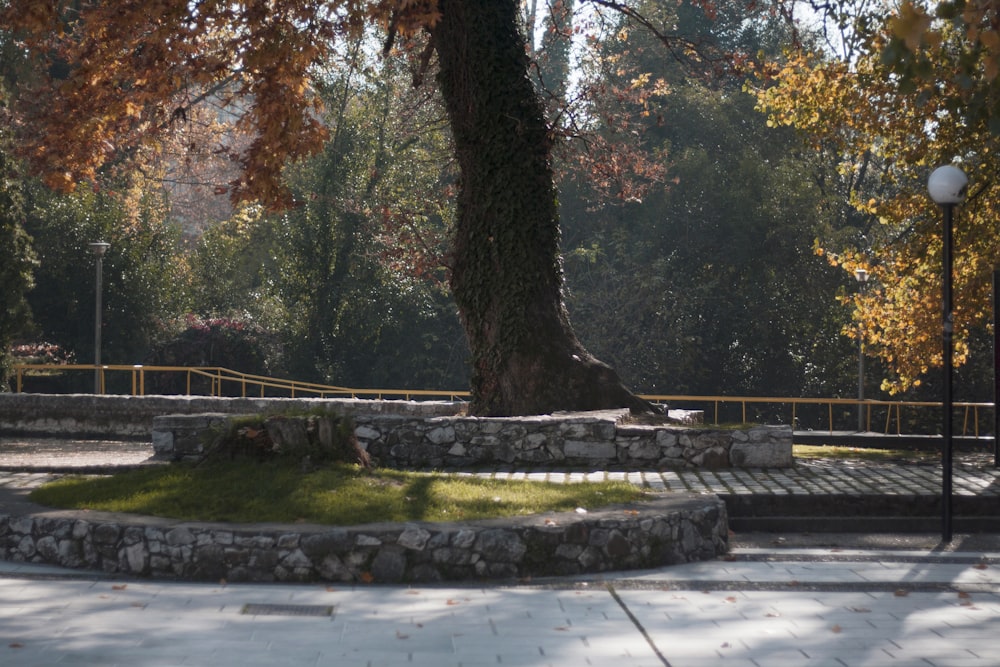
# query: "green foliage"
(234, 268)
(230, 343)
(709, 285)
(340, 495)
(350, 280)
(18, 259)
(142, 278)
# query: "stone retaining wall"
(672, 529)
(90, 415)
(596, 440)
(419, 433)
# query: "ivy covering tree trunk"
(506, 272)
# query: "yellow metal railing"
(894, 410)
(219, 379)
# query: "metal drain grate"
(286, 610)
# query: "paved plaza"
(974, 474)
(774, 600)
(758, 608)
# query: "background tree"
(505, 272)
(142, 283)
(15, 247)
(351, 279)
(702, 279)
(891, 131)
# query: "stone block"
(762, 454)
(587, 449)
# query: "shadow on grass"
(248, 492)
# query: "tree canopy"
(918, 94)
(119, 73)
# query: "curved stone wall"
(667, 530)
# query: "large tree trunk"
(506, 272)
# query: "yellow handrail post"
(217, 376)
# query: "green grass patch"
(862, 453)
(341, 494)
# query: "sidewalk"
(775, 600)
(759, 608)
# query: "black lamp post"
(862, 277)
(947, 186)
(98, 248)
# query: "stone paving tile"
(807, 479)
(775, 628)
(150, 623)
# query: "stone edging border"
(670, 529)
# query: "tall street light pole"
(98, 248)
(947, 186)
(862, 277)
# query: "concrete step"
(902, 513)
(867, 524)
(855, 505)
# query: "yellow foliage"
(859, 113)
(910, 25)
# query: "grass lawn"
(245, 491)
(863, 454)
